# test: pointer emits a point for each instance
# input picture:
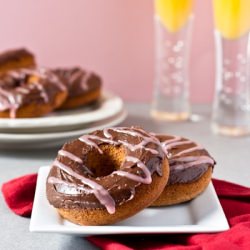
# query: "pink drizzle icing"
(70, 156)
(75, 159)
(189, 150)
(86, 140)
(84, 80)
(74, 76)
(43, 93)
(191, 160)
(23, 90)
(146, 180)
(12, 102)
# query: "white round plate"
(42, 140)
(108, 106)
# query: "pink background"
(112, 37)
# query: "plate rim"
(26, 137)
(119, 229)
(66, 120)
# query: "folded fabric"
(235, 200)
(19, 194)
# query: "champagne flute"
(173, 19)
(231, 108)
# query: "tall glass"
(231, 109)
(173, 20)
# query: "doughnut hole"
(104, 164)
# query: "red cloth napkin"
(19, 194)
(235, 200)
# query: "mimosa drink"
(231, 111)
(171, 86)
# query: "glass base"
(230, 130)
(167, 116)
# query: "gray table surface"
(231, 155)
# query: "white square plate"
(202, 214)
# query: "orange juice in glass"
(231, 110)
(173, 20)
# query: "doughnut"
(107, 176)
(84, 87)
(30, 93)
(191, 169)
(16, 59)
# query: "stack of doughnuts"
(27, 90)
(109, 175)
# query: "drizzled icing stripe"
(100, 193)
(169, 141)
(86, 139)
(146, 180)
(189, 150)
(70, 156)
(74, 158)
(138, 146)
(106, 133)
(74, 76)
(13, 104)
(178, 143)
(138, 132)
(84, 80)
(192, 160)
(23, 90)
(43, 93)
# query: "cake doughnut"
(107, 176)
(191, 169)
(84, 87)
(30, 93)
(16, 59)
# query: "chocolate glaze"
(188, 160)
(26, 86)
(71, 183)
(78, 81)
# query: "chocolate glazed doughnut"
(191, 169)
(16, 59)
(107, 176)
(30, 93)
(84, 87)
